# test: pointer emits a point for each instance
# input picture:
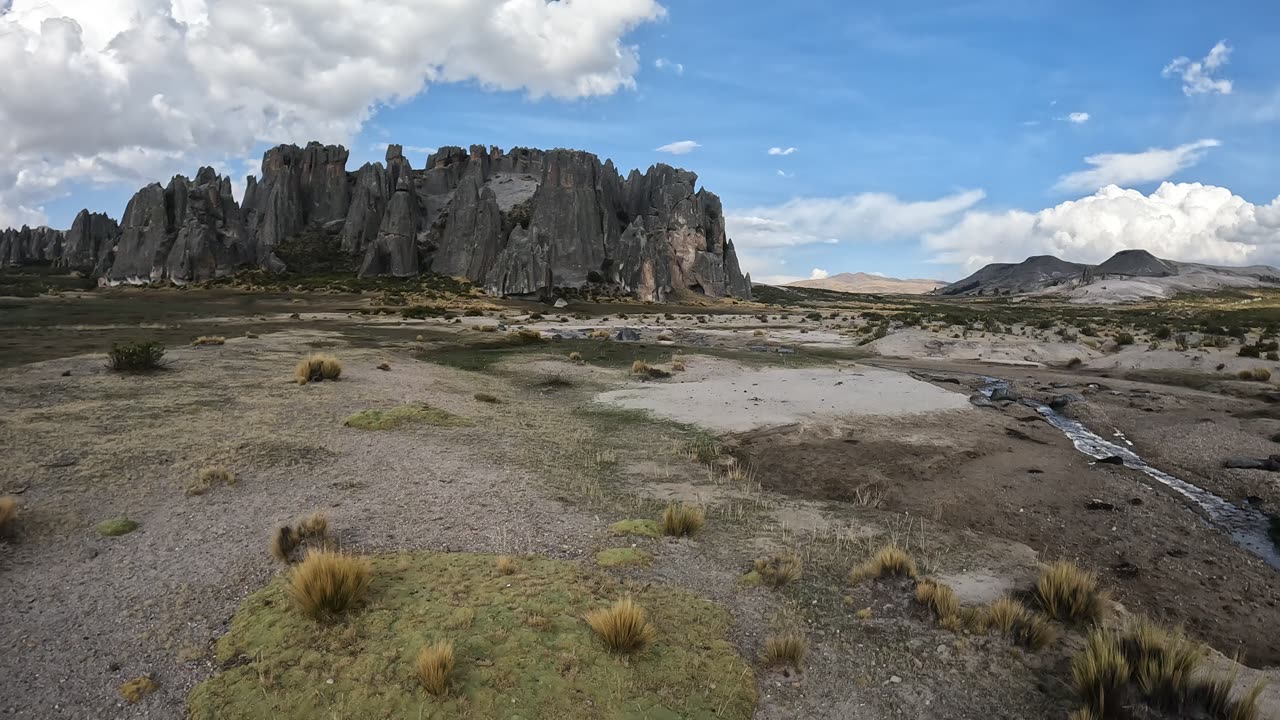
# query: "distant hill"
(1126, 276)
(866, 283)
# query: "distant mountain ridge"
(1127, 275)
(861, 282)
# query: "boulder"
(627, 334)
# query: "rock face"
(525, 222)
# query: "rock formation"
(524, 222)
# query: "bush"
(136, 356)
(1124, 338)
(1249, 351)
(778, 570)
(317, 367)
(623, 626)
(1164, 332)
(327, 583)
(435, 666)
(1260, 374)
(1074, 362)
(888, 561)
(679, 519)
(1069, 594)
(209, 340)
(788, 648)
(487, 398)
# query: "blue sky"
(891, 104)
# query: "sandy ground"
(727, 397)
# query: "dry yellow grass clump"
(600, 334)
(575, 357)
(677, 363)
(327, 583)
(942, 600)
(665, 337)
(787, 648)
(506, 565)
(1014, 620)
(317, 367)
(1100, 675)
(623, 627)
(314, 527)
(679, 519)
(207, 477)
(778, 570)
(1069, 594)
(8, 512)
(888, 561)
(435, 666)
(312, 531)
(138, 688)
(640, 367)
(209, 340)
(1164, 662)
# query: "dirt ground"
(980, 495)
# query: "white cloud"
(683, 147)
(1133, 168)
(1198, 77)
(781, 151)
(1186, 221)
(665, 64)
(1078, 118)
(864, 217)
(782, 173)
(132, 90)
(819, 274)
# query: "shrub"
(599, 334)
(677, 364)
(1070, 594)
(1074, 362)
(787, 648)
(1249, 351)
(778, 570)
(679, 519)
(208, 477)
(524, 337)
(136, 356)
(435, 666)
(1164, 332)
(623, 626)
(576, 358)
(314, 528)
(506, 565)
(645, 370)
(1260, 374)
(317, 367)
(1273, 356)
(888, 561)
(209, 340)
(8, 512)
(327, 583)
(1100, 675)
(1124, 338)
(486, 398)
(283, 543)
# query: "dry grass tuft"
(435, 666)
(1005, 613)
(677, 364)
(487, 398)
(8, 512)
(665, 337)
(600, 334)
(758, 333)
(1260, 374)
(317, 367)
(1069, 594)
(327, 583)
(208, 477)
(640, 367)
(209, 340)
(623, 626)
(1215, 695)
(575, 357)
(1014, 620)
(138, 688)
(1083, 714)
(385, 367)
(506, 565)
(283, 543)
(679, 519)
(1101, 674)
(314, 528)
(888, 561)
(1164, 663)
(863, 614)
(778, 570)
(786, 648)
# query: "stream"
(1246, 526)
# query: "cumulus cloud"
(133, 89)
(683, 147)
(855, 218)
(784, 174)
(1185, 221)
(781, 151)
(819, 274)
(1078, 118)
(1133, 168)
(665, 64)
(1198, 77)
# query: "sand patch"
(739, 399)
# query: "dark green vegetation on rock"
(522, 648)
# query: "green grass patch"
(525, 652)
(405, 415)
(115, 527)
(644, 527)
(617, 557)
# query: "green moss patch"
(615, 557)
(404, 415)
(525, 653)
(647, 528)
(116, 527)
